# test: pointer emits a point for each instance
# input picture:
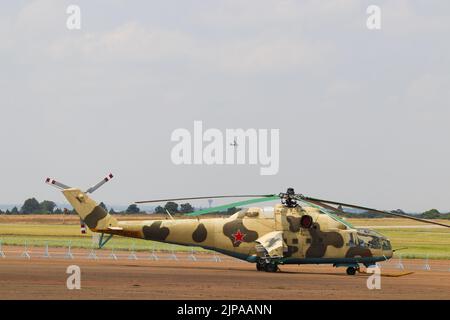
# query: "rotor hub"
(288, 199)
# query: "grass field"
(39, 230)
(62, 235)
(391, 222)
(426, 240)
(420, 243)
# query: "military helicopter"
(299, 230)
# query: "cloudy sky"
(363, 114)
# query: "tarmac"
(206, 276)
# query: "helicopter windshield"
(369, 232)
(372, 239)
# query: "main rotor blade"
(374, 210)
(210, 197)
(231, 205)
(324, 205)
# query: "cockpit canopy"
(372, 239)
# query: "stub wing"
(273, 244)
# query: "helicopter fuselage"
(247, 235)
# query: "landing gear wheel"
(351, 271)
(271, 267)
(260, 266)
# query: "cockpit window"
(386, 245)
(352, 240)
(369, 232)
(374, 243)
(371, 239)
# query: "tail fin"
(94, 216)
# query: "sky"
(362, 114)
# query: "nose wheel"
(351, 271)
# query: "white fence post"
(153, 256)
(112, 255)
(69, 254)
(2, 254)
(399, 263)
(92, 255)
(25, 253)
(46, 252)
(427, 265)
(216, 258)
(173, 255)
(192, 256)
(132, 255)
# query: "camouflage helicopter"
(299, 230)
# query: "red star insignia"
(238, 236)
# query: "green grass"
(389, 222)
(62, 235)
(420, 243)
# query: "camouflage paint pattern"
(242, 233)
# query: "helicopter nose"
(387, 249)
(389, 254)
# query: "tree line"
(33, 206)
(429, 214)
